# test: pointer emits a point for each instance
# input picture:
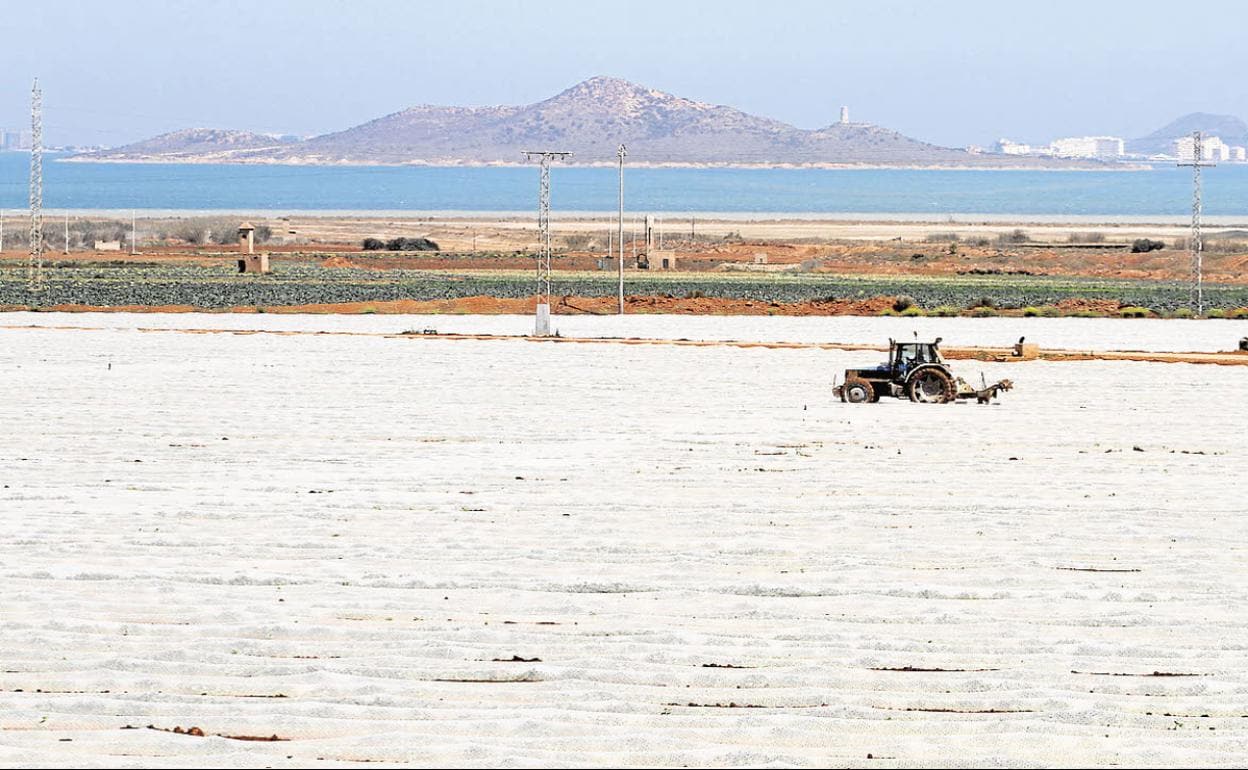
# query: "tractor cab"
(905, 356)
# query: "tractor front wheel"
(931, 386)
(859, 392)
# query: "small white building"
(659, 259)
(1007, 147)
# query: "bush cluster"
(399, 244)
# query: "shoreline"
(934, 219)
(830, 166)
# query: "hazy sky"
(948, 72)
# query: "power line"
(34, 263)
(1195, 246)
(621, 152)
(542, 328)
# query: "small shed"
(661, 260)
(760, 257)
(107, 246)
(254, 263)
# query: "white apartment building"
(1007, 147)
(1212, 148)
(1088, 147)
(1239, 154)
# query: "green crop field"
(111, 284)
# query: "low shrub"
(373, 244)
(945, 311)
(411, 244)
(903, 303)
(579, 241)
(1221, 246)
(1134, 312)
(1145, 245)
(913, 311)
(1087, 238)
(1044, 311)
(983, 311)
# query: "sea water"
(1159, 192)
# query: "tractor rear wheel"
(859, 392)
(931, 386)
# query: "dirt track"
(574, 305)
(855, 247)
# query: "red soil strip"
(937, 670)
(198, 733)
(1155, 673)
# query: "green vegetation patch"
(291, 283)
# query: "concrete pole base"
(542, 328)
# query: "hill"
(1229, 128)
(589, 119)
(198, 144)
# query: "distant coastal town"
(1114, 148)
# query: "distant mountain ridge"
(1228, 128)
(589, 120)
(195, 142)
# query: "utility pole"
(34, 264)
(542, 326)
(621, 152)
(1195, 246)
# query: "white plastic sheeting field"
(1148, 334)
(511, 553)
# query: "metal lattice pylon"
(1195, 244)
(543, 227)
(34, 264)
(621, 153)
